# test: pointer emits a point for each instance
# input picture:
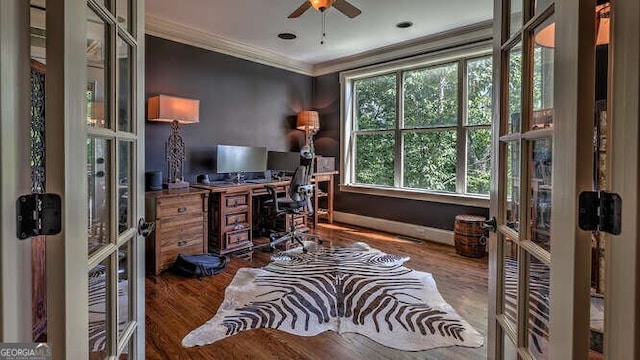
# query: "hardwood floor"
(175, 306)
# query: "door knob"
(145, 228)
(491, 224)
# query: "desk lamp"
(176, 111)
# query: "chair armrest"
(274, 196)
(306, 191)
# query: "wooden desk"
(232, 212)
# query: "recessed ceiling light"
(287, 36)
(404, 24)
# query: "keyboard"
(223, 183)
(259, 181)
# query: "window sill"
(447, 198)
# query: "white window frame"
(347, 122)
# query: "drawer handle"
(182, 209)
(182, 243)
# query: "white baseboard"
(396, 227)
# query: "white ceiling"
(256, 23)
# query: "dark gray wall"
(241, 103)
(326, 95)
(245, 103)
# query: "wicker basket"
(470, 237)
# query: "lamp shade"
(308, 120)
(170, 108)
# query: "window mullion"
(350, 176)
(461, 133)
(399, 155)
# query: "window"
(420, 126)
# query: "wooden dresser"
(181, 226)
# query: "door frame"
(574, 101)
(66, 175)
(622, 292)
(15, 170)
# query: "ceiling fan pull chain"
(323, 29)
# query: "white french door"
(95, 155)
(540, 260)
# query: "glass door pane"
(124, 287)
(98, 175)
(513, 185)
(516, 17)
(510, 351)
(99, 305)
(98, 74)
(123, 14)
(542, 80)
(123, 69)
(514, 89)
(511, 282)
(538, 309)
(125, 201)
(540, 5)
(540, 210)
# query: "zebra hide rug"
(355, 289)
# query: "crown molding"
(464, 35)
(175, 32)
(444, 40)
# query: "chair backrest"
(299, 179)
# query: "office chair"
(297, 200)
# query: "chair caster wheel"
(304, 250)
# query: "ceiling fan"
(341, 5)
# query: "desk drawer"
(325, 177)
(284, 223)
(238, 238)
(168, 255)
(263, 191)
(179, 205)
(232, 220)
(179, 235)
(173, 227)
(236, 200)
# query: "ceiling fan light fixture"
(321, 5)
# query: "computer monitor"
(283, 161)
(240, 159)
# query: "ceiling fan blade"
(346, 8)
(299, 11)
